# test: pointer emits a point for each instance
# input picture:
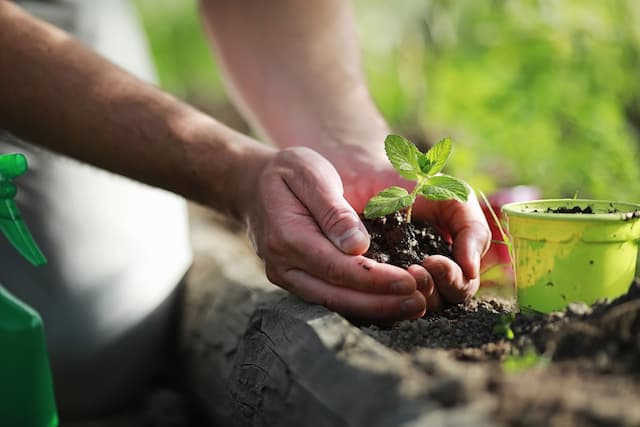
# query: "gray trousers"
(117, 249)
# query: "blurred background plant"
(542, 92)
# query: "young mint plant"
(423, 168)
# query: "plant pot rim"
(527, 209)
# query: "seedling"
(424, 169)
(503, 327)
(529, 358)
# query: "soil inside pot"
(588, 210)
(396, 242)
(573, 210)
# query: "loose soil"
(573, 210)
(396, 242)
(578, 367)
(588, 210)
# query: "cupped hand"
(440, 279)
(465, 225)
(312, 241)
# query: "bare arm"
(61, 95)
(57, 93)
(294, 69)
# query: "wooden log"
(256, 356)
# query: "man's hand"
(295, 71)
(465, 226)
(312, 242)
(364, 172)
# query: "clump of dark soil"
(396, 242)
(475, 330)
(573, 210)
(567, 210)
(467, 330)
(589, 210)
(552, 370)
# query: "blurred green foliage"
(182, 56)
(535, 92)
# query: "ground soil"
(578, 367)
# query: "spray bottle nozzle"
(11, 223)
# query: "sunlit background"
(544, 93)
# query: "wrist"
(223, 165)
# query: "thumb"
(319, 188)
(469, 246)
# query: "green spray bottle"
(26, 389)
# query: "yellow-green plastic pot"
(560, 258)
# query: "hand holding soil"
(312, 241)
(449, 213)
(441, 277)
(456, 279)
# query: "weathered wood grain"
(259, 357)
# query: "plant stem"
(413, 195)
(409, 214)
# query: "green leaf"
(425, 164)
(438, 155)
(403, 155)
(444, 187)
(387, 201)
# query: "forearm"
(59, 94)
(294, 68)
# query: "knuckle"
(272, 275)
(336, 218)
(442, 275)
(381, 308)
(295, 154)
(275, 242)
(335, 272)
(469, 289)
(332, 302)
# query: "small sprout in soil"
(424, 168)
(504, 326)
(527, 359)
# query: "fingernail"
(476, 263)
(352, 240)
(402, 288)
(425, 286)
(410, 306)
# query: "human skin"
(295, 71)
(68, 99)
